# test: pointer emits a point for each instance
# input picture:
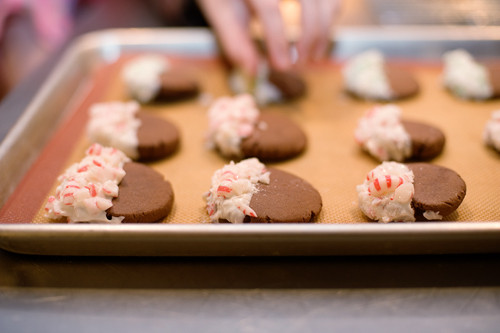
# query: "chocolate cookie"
(383, 134)
(397, 192)
(152, 77)
(467, 78)
(492, 77)
(268, 85)
(427, 141)
(122, 125)
(287, 198)
(275, 137)
(290, 84)
(437, 189)
(144, 195)
(402, 82)
(368, 75)
(106, 187)
(176, 85)
(158, 138)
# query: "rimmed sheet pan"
(68, 87)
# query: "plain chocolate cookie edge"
(275, 138)
(157, 137)
(286, 199)
(290, 83)
(143, 195)
(437, 188)
(427, 140)
(402, 82)
(177, 85)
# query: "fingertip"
(303, 51)
(321, 51)
(242, 56)
(281, 61)
(249, 66)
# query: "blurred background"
(33, 31)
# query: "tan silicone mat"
(333, 163)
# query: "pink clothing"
(51, 18)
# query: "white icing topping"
(386, 193)
(432, 215)
(364, 75)
(230, 120)
(262, 89)
(115, 124)
(491, 133)
(465, 77)
(381, 133)
(142, 76)
(88, 187)
(232, 189)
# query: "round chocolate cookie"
(437, 189)
(287, 198)
(157, 137)
(176, 85)
(402, 82)
(289, 83)
(143, 195)
(427, 141)
(275, 138)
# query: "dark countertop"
(452, 293)
(448, 293)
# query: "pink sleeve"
(52, 19)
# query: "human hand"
(231, 20)
(317, 17)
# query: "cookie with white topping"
(106, 187)
(469, 79)
(396, 192)
(386, 136)
(370, 76)
(140, 135)
(248, 192)
(151, 78)
(238, 130)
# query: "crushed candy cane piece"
(387, 192)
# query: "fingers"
(317, 18)
(229, 19)
(269, 15)
(309, 29)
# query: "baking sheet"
(327, 115)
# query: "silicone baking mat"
(333, 163)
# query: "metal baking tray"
(51, 102)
